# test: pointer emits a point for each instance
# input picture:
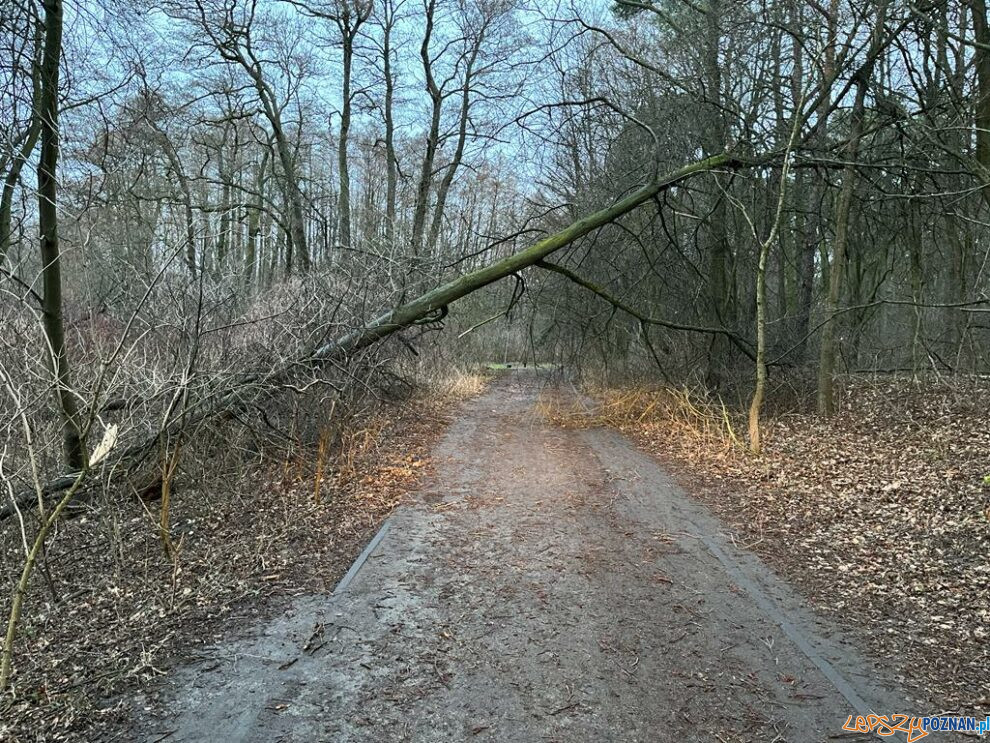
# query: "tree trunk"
(223, 239)
(981, 60)
(759, 391)
(51, 259)
(720, 296)
(805, 249)
(432, 137)
(10, 183)
(187, 199)
(296, 247)
(344, 203)
(24, 154)
(448, 178)
(254, 220)
(391, 164)
(802, 237)
(826, 360)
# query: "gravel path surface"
(551, 585)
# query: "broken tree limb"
(431, 304)
(401, 317)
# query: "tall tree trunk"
(223, 238)
(759, 391)
(254, 220)
(432, 137)
(826, 359)
(803, 237)
(805, 250)
(10, 183)
(813, 242)
(391, 163)
(981, 60)
(51, 259)
(344, 204)
(297, 247)
(189, 219)
(448, 178)
(720, 294)
(28, 144)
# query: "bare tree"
(437, 95)
(230, 31)
(349, 16)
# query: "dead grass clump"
(460, 384)
(357, 445)
(686, 417)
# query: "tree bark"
(348, 22)
(225, 172)
(391, 163)
(51, 259)
(432, 137)
(30, 141)
(802, 236)
(721, 309)
(451, 170)
(826, 361)
(296, 247)
(254, 220)
(981, 118)
(189, 219)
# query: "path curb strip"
(362, 558)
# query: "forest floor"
(109, 613)
(546, 583)
(880, 515)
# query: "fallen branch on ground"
(432, 304)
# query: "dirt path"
(554, 586)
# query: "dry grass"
(684, 414)
(357, 444)
(460, 384)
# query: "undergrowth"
(109, 610)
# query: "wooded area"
(214, 211)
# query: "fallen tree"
(427, 307)
(437, 299)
